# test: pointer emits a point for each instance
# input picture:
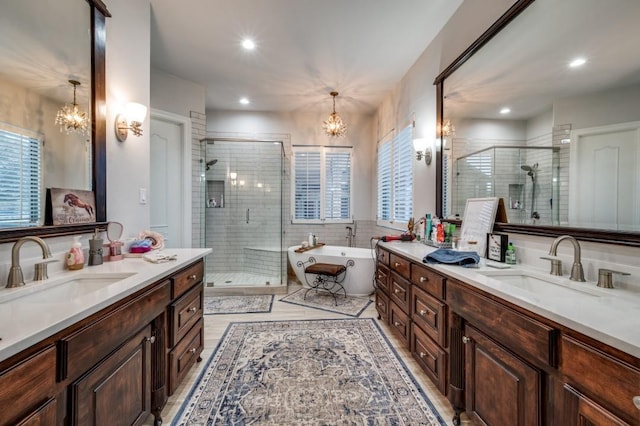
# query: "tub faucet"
(577, 273)
(15, 278)
(349, 236)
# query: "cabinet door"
(43, 416)
(581, 411)
(500, 388)
(118, 390)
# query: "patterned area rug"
(329, 372)
(352, 306)
(218, 305)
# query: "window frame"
(392, 139)
(323, 150)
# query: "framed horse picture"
(69, 206)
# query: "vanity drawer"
(383, 257)
(82, 349)
(185, 312)
(431, 358)
(607, 380)
(184, 280)
(400, 323)
(526, 336)
(382, 305)
(382, 278)
(400, 265)
(184, 355)
(400, 292)
(427, 280)
(27, 385)
(430, 314)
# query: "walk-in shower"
(525, 177)
(243, 219)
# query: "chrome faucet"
(15, 278)
(577, 273)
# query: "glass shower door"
(243, 213)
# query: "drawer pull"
(424, 279)
(192, 350)
(466, 340)
(380, 304)
(397, 324)
(396, 264)
(192, 309)
(636, 401)
(398, 290)
(151, 339)
(422, 354)
(423, 312)
(192, 277)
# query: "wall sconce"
(233, 176)
(421, 147)
(132, 119)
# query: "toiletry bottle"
(510, 255)
(310, 239)
(427, 228)
(75, 257)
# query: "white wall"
(176, 95)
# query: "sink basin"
(544, 285)
(65, 289)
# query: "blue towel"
(453, 257)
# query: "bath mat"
(220, 305)
(352, 306)
(328, 372)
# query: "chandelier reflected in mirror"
(334, 126)
(70, 118)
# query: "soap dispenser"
(75, 257)
(95, 250)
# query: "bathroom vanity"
(111, 356)
(508, 354)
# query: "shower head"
(211, 163)
(531, 170)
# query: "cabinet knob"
(424, 279)
(192, 309)
(398, 290)
(422, 354)
(151, 339)
(380, 303)
(192, 277)
(396, 264)
(422, 312)
(466, 340)
(636, 401)
(192, 350)
(397, 324)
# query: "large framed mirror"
(52, 61)
(543, 110)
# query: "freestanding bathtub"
(359, 278)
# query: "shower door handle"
(247, 215)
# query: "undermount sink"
(64, 289)
(543, 284)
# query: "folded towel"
(453, 257)
(159, 257)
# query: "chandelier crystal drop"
(70, 118)
(334, 126)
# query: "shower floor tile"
(239, 279)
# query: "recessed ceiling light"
(244, 101)
(505, 110)
(577, 62)
(248, 44)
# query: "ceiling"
(304, 49)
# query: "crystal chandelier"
(70, 118)
(334, 125)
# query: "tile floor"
(215, 325)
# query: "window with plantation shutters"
(20, 179)
(395, 179)
(321, 184)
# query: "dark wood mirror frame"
(98, 15)
(583, 234)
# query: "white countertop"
(24, 323)
(612, 318)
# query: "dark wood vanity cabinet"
(116, 366)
